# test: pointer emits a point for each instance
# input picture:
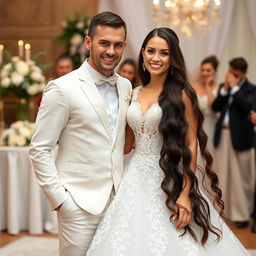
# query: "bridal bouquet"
(74, 31)
(19, 134)
(24, 79)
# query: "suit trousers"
(76, 227)
(236, 172)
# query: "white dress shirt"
(232, 92)
(108, 93)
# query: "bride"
(159, 209)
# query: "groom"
(85, 113)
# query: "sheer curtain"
(241, 42)
(233, 38)
(137, 16)
(251, 7)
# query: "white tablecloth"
(23, 206)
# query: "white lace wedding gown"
(137, 221)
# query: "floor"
(247, 238)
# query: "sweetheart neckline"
(140, 108)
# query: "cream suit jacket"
(89, 161)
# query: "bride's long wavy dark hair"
(175, 158)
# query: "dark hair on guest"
(239, 64)
(211, 60)
(106, 19)
(132, 63)
(129, 62)
(63, 57)
(175, 157)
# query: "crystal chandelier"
(186, 15)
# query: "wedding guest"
(253, 120)
(128, 69)
(206, 89)
(233, 140)
(63, 65)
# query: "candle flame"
(27, 46)
(20, 43)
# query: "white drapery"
(135, 14)
(233, 38)
(251, 7)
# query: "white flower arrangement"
(19, 76)
(19, 134)
(74, 31)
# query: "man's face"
(106, 48)
(238, 74)
(63, 67)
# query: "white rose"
(80, 25)
(15, 59)
(16, 78)
(33, 89)
(36, 76)
(4, 73)
(7, 132)
(17, 125)
(5, 82)
(31, 127)
(24, 131)
(76, 39)
(12, 139)
(36, 69)
(7, 67)
(42, 86)
(22, 67)
(31, 63)
(21, 140)
(72, 49)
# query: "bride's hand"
(183, 211)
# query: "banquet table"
(23, 206)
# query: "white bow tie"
(110, 80)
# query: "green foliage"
(74, 31)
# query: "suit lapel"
(92, 93)
(120, 108)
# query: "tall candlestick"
(27, 52)
(1, 53)
(21, 48)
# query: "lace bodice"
(148, 140)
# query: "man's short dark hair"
(106, 19)
(239, 64)
(63, 57)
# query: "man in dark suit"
(253, 120)
(233, 142)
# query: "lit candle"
(20, 47)
(1, 53)
(27, 52)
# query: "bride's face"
(156, 56)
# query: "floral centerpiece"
(19, 134)
(24, 79)
(74, 31)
